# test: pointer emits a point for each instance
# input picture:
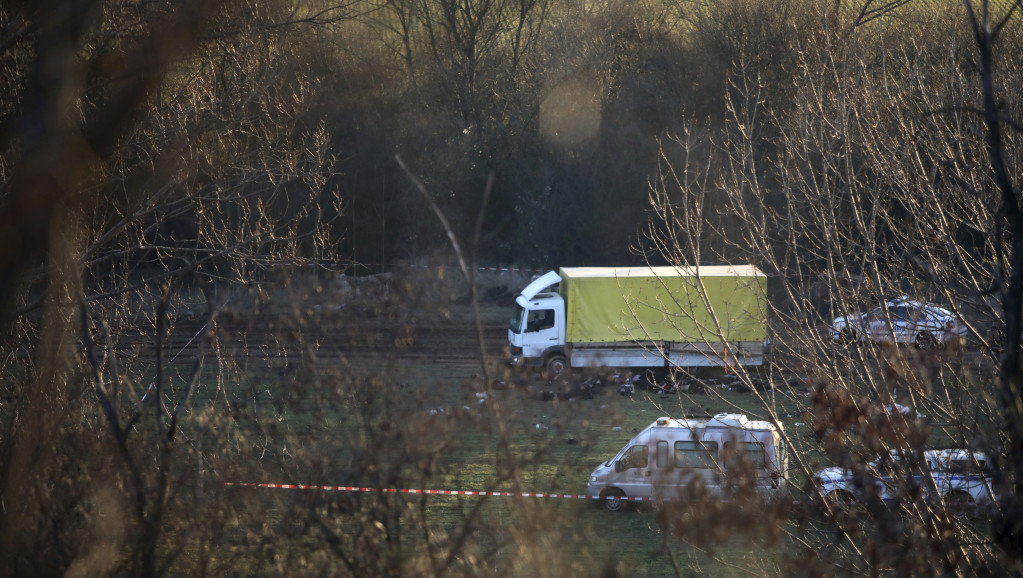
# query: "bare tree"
(155, 150)
(877, 185)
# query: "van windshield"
(620, 453)
(515, 323)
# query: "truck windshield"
(518, 315)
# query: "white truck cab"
(537, 326)
(673, 458)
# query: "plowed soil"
(452, 342)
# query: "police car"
(901, 320)
(961, 480)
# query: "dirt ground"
(411, 318)
(406, 321)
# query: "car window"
(695, 454)
(635, 457)
(875, 315)
(751, 452)
(964, 465)
(540, 319)
(915, 314)
(888, 463)
(662, 454)
(515, 323)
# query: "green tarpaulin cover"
(606, 304)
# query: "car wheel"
(996, 340)
(958, 503)
(840, 499)
(847, 335)
(555, 366)
(925, 340)
(613, 501)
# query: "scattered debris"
(546, 395)
(891, 408)
(739, 387)
(696, 387)
(797, 382)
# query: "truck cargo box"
(615, 304)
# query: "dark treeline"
(562, 101)
(302, 108)
(281, 104)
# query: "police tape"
(432, 492)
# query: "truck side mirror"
(618, 466)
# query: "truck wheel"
(613, 501)
(556, 365)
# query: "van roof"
(721, 420)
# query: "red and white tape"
(419, 491)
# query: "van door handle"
(646, 473)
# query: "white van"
(672, 456)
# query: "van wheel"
(555, 366)
(613, 501)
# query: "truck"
(685, 458)
(641, 317)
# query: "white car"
(961, 479)
(901, 320)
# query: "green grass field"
(380, 423)
(554, 444)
